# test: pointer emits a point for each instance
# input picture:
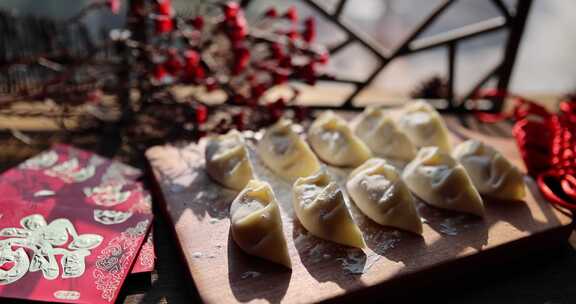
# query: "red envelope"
(51, 252)
(73, 178)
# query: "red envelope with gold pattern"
(51, 252)
(70, 177)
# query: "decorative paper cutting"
(104, 196)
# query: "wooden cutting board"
(198, 208)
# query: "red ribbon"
(547, 143)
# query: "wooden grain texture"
(321, 270)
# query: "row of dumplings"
(379, 190)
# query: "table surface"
(541, 277)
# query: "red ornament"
(291, 14)
(201, 113)
(309, 33)
(198, 22)
(114, 6)
(271, 13)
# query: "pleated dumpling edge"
(333, 141)
(380, 193)
(441, 181)
(227, 160)
(492, 174)
(256, 224)
(285, 153)
(320, 207)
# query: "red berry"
(309, 73)
(159, 72)
(238, 99)
(291, 14)
(257, 90)
(201, 113)
(199, 73)
(292, 34)
(280, 103)
(237, 27)
(277, 52)
(173, 63)
(285, 62)
(239, 120)
(192, 58)
(242, 58)
(300, 113)
(309, 33)
(276, 109)
(114, 6)
(198, 22)
(271, 13)
(164, 7)
(211, 84)
(163, 24)
(323, 58)
(231, 10)
(279, 76)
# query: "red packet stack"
(73, 225)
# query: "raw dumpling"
(286, 153)
(382, 136)
(441, 181)
(424, 126)
(335, 143)
(227, 160)
(320, 207)
(256, 224)
(378, 191)
(491, 173)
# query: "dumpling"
(441, 181)
(227, 160)
(335, 143)
(320, 207)
(256, 225)
(491, 173)
(380, 193)
(380, 133)
(424, 126)
(286, 153)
